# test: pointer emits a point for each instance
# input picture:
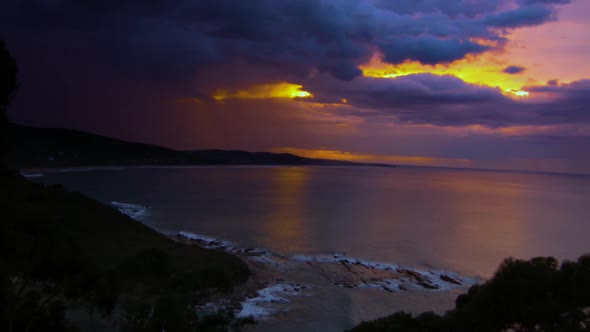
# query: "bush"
(522, 296)
(8, 86)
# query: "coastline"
(271, 285)
(34, 171)
(111, 258)
(276, 280)
(262, 277)
(249, 301)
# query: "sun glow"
(481, 70)
(264, 91)
(368, 158)
(521, 93)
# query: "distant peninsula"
(33, 147)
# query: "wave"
(135, 211)
(263, 306)
(32, 175)
(339, 269)
(348, 272)
(344, 271)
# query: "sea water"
(461, 222)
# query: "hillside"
(62, 252)
(50, 147)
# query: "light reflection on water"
(461, 220)
(284, 227)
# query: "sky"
(460, 83)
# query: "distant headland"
(34, 147)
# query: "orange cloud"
(264, 91)
(369, 158)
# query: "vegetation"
(67, 260)
(62, 251)
(522, 296)
(8, 86)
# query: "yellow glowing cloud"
(264, 91)
(481, 70)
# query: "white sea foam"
(255, 254)
(210, 242)
(135, 211)
(342, 270)
(341, 258)
(437, 280)
(32, 175)
(252, 254)
(264, 304)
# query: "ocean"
(311, 221)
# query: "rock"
(253, 252)
(387, 289)
(420, 279)
(450, 280)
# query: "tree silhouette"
(8, 87)
(523, 296)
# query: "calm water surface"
(461, 220)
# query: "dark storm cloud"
(118, 67)
(514, 70)
(451, 8)
(342, 71)
(428, 50)
(449, 101)
(532, 2)
(570, 105)
(525, 16)
(334, 36)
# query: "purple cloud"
(449, 101)
(524, 16)
(333, 36)
(513, 70)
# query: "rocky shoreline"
(269, 285)
(255, 298)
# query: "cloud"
(532, 2)
(513, 70)
(428, 49)
(342, 71)
(534, 14)
(181, 37)
(451, 8)
(448, 101)
(119, 68)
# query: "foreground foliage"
(65, 258)
(68, 261)
(8, 87)
(522, 296)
